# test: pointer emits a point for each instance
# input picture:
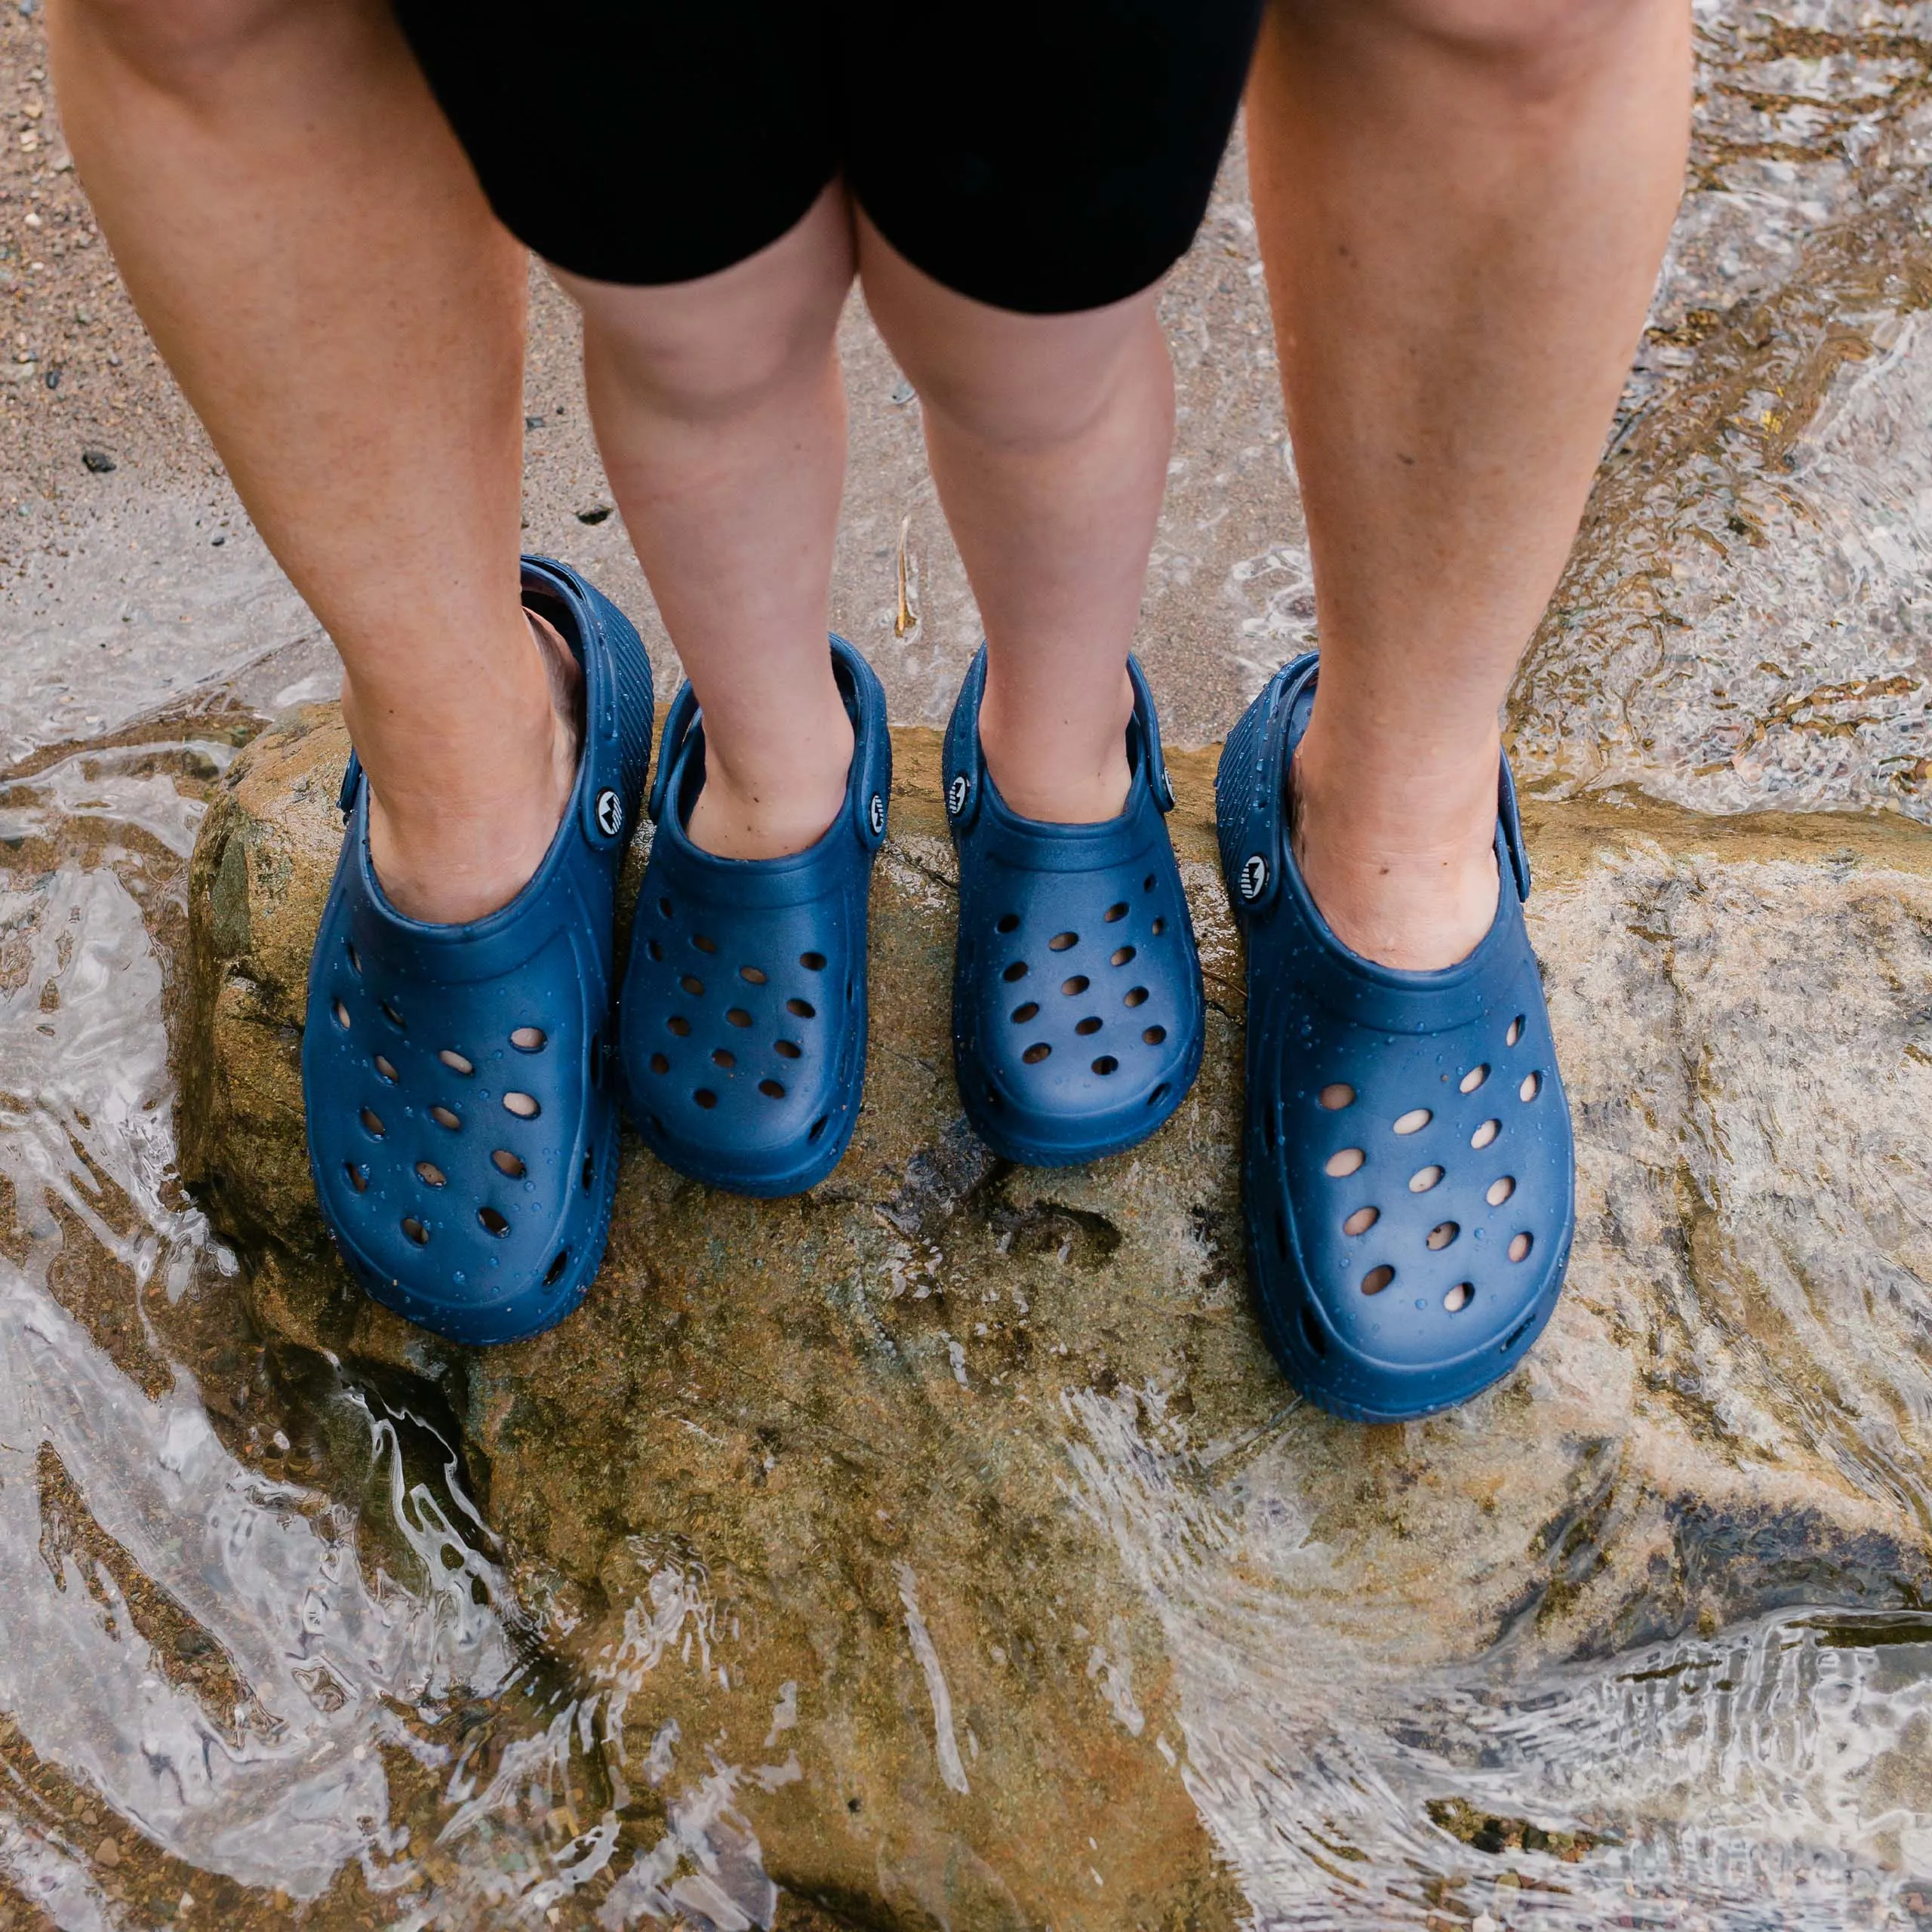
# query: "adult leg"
(1462, 205)
(1048, 437)
(309, 250)
(720, 412)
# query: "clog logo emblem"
(878, 816)
(956, 795)
(610, 813)
(1253, 877)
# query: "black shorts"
(1042, 156)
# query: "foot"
(1407, 1170)
(462, 857)
(1058, 769)
(1415, 891)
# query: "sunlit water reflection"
(219, 1659)
(1769, 1775)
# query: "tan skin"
(307, 245)
(1460, 257)
(272, 173)
(1463, 205)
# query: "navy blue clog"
(1078, 1015)
(743, 1016)
(461, 1126)
(1407, 1170)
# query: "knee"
(1036, 382)
(704, 368)
(178, 44)
(1056, 408)
(755, 335)
(1539, 47)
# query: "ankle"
(1061, 771)
(458, 827)
(1404, 872)
(769, 808)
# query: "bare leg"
(307, 245)
(720, 411)
(1049, 437)
(720, 415)
(1463, 205)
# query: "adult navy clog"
(461, 1126)
(1407, 1170)
(1078, 1015)
(743, 1008)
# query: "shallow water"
(223, 1592)
(1747, 621)
(259, 1655)
(1771, 1775)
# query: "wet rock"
(1745, 621)
(943, 1548)
(1482, 1832)
(1745, 624)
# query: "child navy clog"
(743, 1009)
(1078, 1015)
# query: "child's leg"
(720, 412)
(721, 417)
(1462, 205)
(303, 238)
(1048, 437)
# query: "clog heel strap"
(1078, 1016)
(743, 1009)
(1408, 1170)
(461, 1126)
